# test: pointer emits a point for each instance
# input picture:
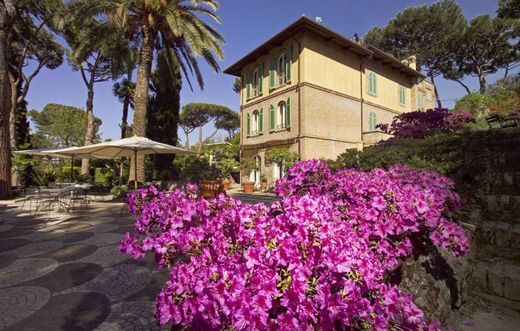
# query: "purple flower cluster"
(419, 124)
(319, 259)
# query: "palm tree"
(124, 91)
(161, 24)
(99, 54)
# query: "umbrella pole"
(72, 168)
(135, 169)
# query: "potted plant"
(263, 182)
(226, 167)
(246, 166)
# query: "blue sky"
(245, 25)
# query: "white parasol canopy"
(133, 146)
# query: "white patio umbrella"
(133, 146)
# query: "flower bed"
(319, 259)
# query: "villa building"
(319, 93)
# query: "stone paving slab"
(65, 272)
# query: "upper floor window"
(280, 69)
(402, 95)
(254, 123)
(372, 83)
(420, 105)
(255, 83)
(280, 117)
(372, 121)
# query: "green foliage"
(237, 85)
(247, 165)
(60, 126)
(194, 168)
(105, 176)
(25, 165)
(226, 166)
(509, 9)
(442, 153)
(42, 176)
(64, 175)
(282, 157)
(119, 191)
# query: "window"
(420, 105)
(255, 83)
(254, 176)
(372, 83)
(281, 70)
(372, 121)
(402, 96)
(428, 95)
(281, 116)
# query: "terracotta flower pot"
(248, 187)
(226, 183)
(210, 188)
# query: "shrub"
(282, 157)
(119, 191)
(419, 124)
(318, 259)
(194, 168)
(443, 153)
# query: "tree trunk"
(124, 123)
(89, 135)
(439, 104)
(463, 85)
(482, 82)
(5, 105)
(12, 116)
(144, 68)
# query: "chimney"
(411, 61)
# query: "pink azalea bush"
(318, 259)
(419, 124)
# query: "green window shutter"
(288, 114)
(261, 121)
(419, 101)
(260, 78)
(288, 61)
(248, 125)
(402, 95)
(372, 122)
(272, 119)
(248, 85)
(272, 72)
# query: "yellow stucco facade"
(328, 96)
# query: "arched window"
(372, 121)
(255, 83)
(372, 83)
(254, 129)
(281, 116)
(281, 70)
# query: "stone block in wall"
(495, 233)
(495, 278)
(492, 203)
(512, 281)
(515, 237)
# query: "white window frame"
(255, 86)
(281, 115)
(254, 123)
(371, 77)
(402, 95)
(280, 70)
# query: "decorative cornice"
(270, 143)
(381, 107)
(271, 95)
(328, 90)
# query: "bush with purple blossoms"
(319, 259)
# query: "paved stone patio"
(64, 272)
